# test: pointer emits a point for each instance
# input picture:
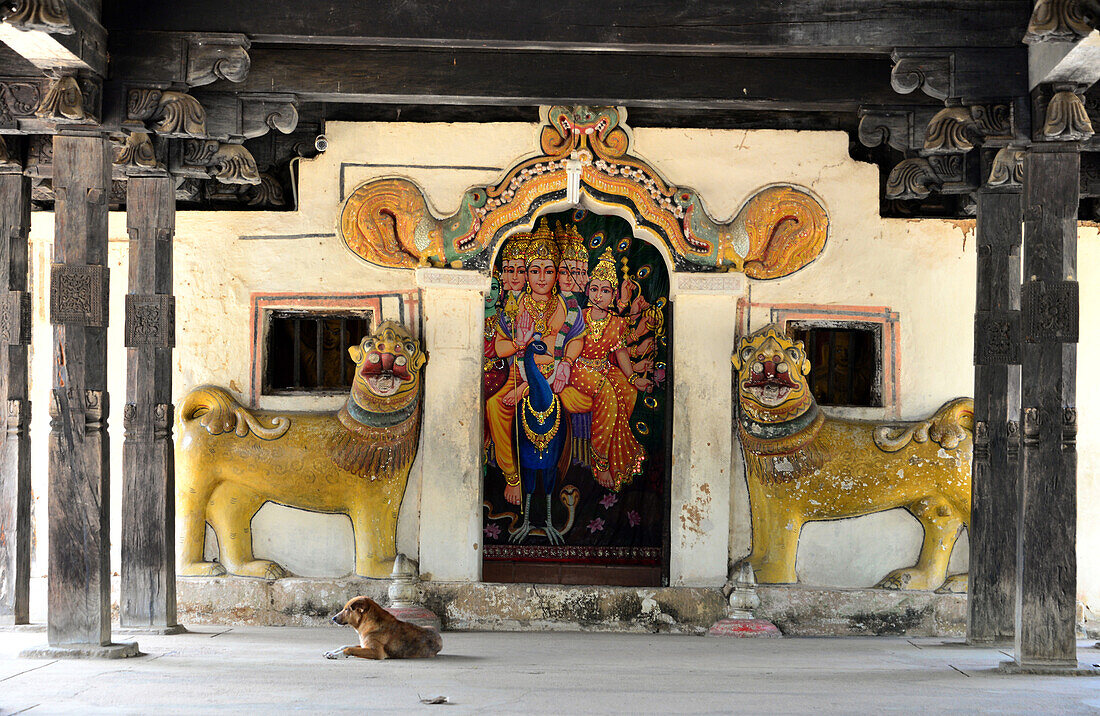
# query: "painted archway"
(584, 158)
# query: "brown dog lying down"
(382, 635)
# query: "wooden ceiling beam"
(426, 77)
(696, 26)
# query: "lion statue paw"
(955, 584)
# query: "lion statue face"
(387, 369)
(771, 376)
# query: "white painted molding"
(730, 283)
(452, 278)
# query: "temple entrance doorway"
(577, 406)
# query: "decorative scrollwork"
(887, 127)
(150, 321)
(957, 129)
(1008, 167)
(45, 15)
(1066, 119)
(62, 101)
(233, 164)
(1056, 20)
(996, 337)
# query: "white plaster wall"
(924, 270)
(1088, 425)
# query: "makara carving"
(230, 461)
(585, 152)
(802, 466)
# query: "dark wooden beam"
(726, 82)
(694, 25)
(15, 451)
(148, 586)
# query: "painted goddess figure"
(539, 310)
(603, 381)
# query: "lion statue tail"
(948, 427)
(219, 412)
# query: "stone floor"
(280, 669)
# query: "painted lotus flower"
(608, 500)
(633, 518)
(596, 525)
(492, 531)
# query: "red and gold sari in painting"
(597, 385)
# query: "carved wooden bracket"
(46, 15)
(9, 157)
(217, 57)
(150, 321)
(1056, 21)
(900, 128)
(166, 112)
(78, 295)
(930, 73)
(228, 163)
(959, 128)
(234, 117)
(38, 104)
(917, 177)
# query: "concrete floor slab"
(281, 669)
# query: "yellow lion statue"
(803, 466)
(230, 461)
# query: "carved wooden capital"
(78, 295)
(1050, 311)
(63, 101)
(1065, 118)
(168, 113)
(150, 321)
(1056, 21)
(996, 337)
(1008, 168)
(136, 151)
(93, 403)
(50, 16)
(217, 57)
(929, 73)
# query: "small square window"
(308, 351)
(845, 361)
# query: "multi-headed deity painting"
(576, 388)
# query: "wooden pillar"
(148, 590)
(79, 484)
(992, 587)
(1046, 556)
(15, 457)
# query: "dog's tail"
(219, 412)
(950, 426)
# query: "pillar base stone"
(153, 630)
(745, 628)
(83, 651)
(1078, 669)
